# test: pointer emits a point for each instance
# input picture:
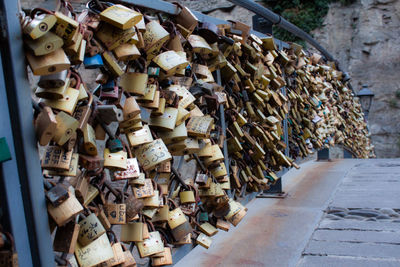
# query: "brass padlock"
(66, 127)
(38, 24)
(45, 45)
(165, 122)
(150, 246)
(200, 126)
(115, 212)
(116, 160)
(90, 229)
(45, 126)
(56, 158)
(170, 62)
(54, 62)
(152, 154)
(204, 240)
(154, 37)
(96, 252)
(121, 16)
(132, 232)
(66, 211)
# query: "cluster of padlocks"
(168, 87)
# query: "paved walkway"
(359, 228)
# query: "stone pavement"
(362, 223)
(340, 213)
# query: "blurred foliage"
(305, 14)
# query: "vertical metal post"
(13, 215)
(18, 93)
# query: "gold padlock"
(152, 154)
(132, 232)
(116, 160)
(113, 37)
(154, 37)
(121, 16)
(53, 93)
(39, 25)
(170, 62)
(200, 126)
(178, 134)
(165, 122)
(96, 252)
(140, 137)
(112, 64)
(66, 127)
(65, 211)
(127, 52)
(66, 28)
(67, 103)
(48, 64)
(45, 126)
(45, 44)
(150, 246)
(90, 229)
(134, 83)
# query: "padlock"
(166, 259)
(119, 256)
(154, 37)
(140, 137)
(94, 253)
(200, 126)
(39, 23)
(187, 197)
(115, 212)
(93, 62)
(132, 232)
(152, 245)
(55, 194)
(165, 122)
(54, 62)
(131, 172)
(120, 16)
(65, 211)
(127, 52)
(112, 64)
(56, 158)
(90, 229)
(204, 240)
(149, 94)
(45, 126)
(66, 127)
(53, 93)
(208, 229)
(152, 154)
(109, 113)
(115, 161)
(134, 82)
(45, 45)
(55, 80)
(170, 62)
(131, 108)
(147, 190)
(113, 37)
(82, 114)
(66, 237)
(186, 18)
(66, 28)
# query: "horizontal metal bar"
(282, 23)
